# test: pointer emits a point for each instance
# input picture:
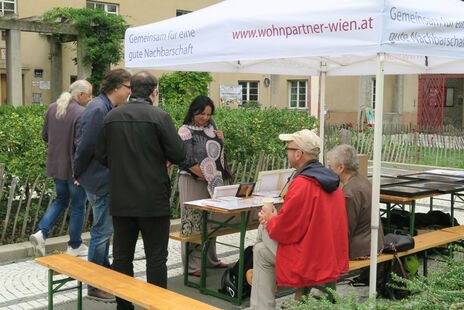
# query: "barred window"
(250, 91)
(7, 7)
(109, 8)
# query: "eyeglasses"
(127, 86)
(291, 149)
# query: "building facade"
(346, 97)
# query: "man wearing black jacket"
(136, 143)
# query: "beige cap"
(306, 140)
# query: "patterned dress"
(205, 149)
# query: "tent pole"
(376, 171)
(322, 76)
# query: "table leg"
(204, 249)
(431, 203)
(50, 289)
(388, 217)
(242, 250)
(412, 217)
(79, 295)
(452, 209)
(425, 262)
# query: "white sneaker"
(82, 250)
(38, 242)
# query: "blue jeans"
(65, 191)
(101, 231)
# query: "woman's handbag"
(398, 243)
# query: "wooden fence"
(403, 145)
(24, 202)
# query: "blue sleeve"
(90, 126)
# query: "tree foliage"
(181, 87)
(102, 36)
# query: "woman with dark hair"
(204, 169)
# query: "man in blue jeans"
(90, 174)
(61, 132)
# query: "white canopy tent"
(309, 37)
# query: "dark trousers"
(155, 234)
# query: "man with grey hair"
(61, 132)
(136, 142)
(310, 229)
(343, 160)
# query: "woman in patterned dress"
(203, 170)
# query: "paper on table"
(233, 204)
(446, 172)
(273, 194)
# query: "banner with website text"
(292, 37)
(264, 30)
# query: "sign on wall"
(230, 95)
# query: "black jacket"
(134, 143)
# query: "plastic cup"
(268, 204)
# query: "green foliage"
(251, 105)
(102, 36)
(442, 289)
(248, 131)
(181, 87)
(21, 146)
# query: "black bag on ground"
(405, 267)
(395, 243)
(398, 243)
(229, 281)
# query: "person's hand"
(76, 183)
(219, 134)
(168, 164)
(265, 215)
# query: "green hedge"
(246, 131)
(21, 145)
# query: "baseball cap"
(306, 140)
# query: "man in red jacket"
(310, 229)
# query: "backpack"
(229, 281)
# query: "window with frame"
(7, 7)
(298, 94)
(109, 8)
(250, 90)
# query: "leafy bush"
(21, 146)
(251, 105)
(102, 35)
(181, 87)
(442, 289)
(246, 131)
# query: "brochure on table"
(232, 203)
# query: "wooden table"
(392, 200)
(206, 236)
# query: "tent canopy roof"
(305, 37)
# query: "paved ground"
(23, 283)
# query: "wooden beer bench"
(131, 289)
(422, 243)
